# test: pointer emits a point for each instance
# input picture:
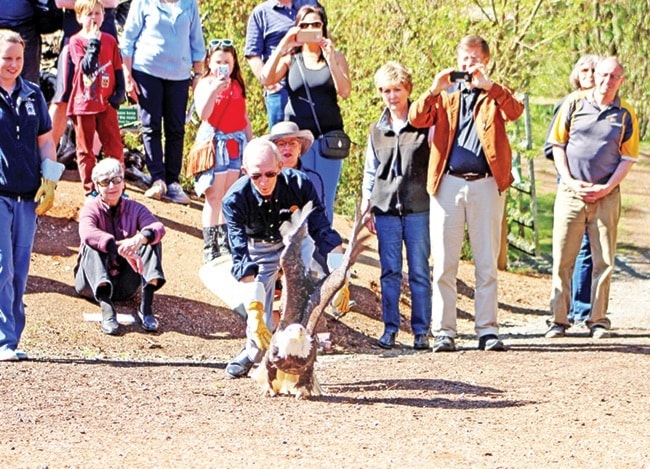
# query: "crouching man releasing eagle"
(255, 207)
(288, 365)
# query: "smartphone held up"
(309, 35)
(223, 70)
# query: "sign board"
(127, 116)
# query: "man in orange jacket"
(469, 170)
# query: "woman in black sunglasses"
(220, 99)
(317, 74)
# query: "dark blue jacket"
(249, 216)
(23, 118)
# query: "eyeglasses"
(267, 175)
(294, 143)
(107, 182)
(609, 75)
(314, 24)
(221, 43)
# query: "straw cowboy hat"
(287, 129)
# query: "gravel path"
(630, 291)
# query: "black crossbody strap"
(311, 102)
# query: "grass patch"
(545, 222)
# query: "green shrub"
(533, 43)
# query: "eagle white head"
(293, 340)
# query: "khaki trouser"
(479, 206)
(571, 216)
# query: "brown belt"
(469, 176)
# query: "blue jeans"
(17, 231)
(162, 103)
(275, 104)
(581, 283)
(330, 173)
(411, 230)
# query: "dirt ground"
(85, 399)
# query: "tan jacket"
(493, 108)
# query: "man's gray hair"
(614, 59)
(259, 146)
(107, 167)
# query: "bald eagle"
(288, 365)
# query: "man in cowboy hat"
(293, 143)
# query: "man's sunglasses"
(268, 175)
(315, 24)
(107, 182)
(221, 42)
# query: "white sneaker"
(8, 355)
(21, 355)
(176, 194)
(157, 190)
(556, 330)
(599, 332)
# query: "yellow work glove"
(341, 300)
(45, 196)
(256, 328)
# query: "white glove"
(334, 260)
(253, 291)
(52, 170)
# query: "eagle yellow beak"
(296, 335)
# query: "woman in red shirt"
(220, 99)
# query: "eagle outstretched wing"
(326, 290)
(288, 365)
(306, 297)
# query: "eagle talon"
(337, 314)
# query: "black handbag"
(333, 145)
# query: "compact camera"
(460, 75)
(309, 35)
